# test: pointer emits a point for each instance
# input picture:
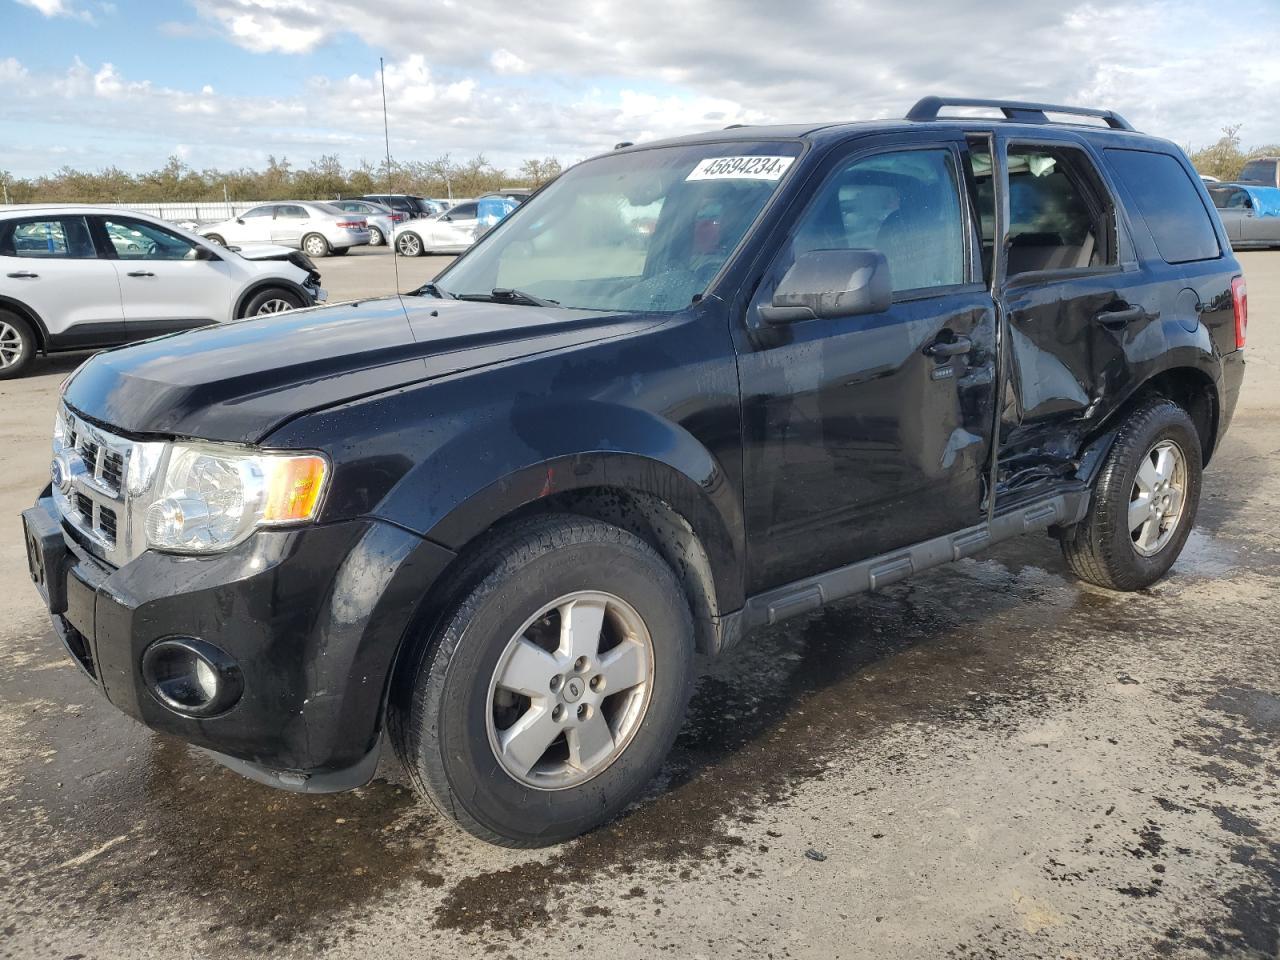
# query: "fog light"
(192, 676)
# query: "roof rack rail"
(927, 108)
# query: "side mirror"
(823, 284)
(204, 253)
(240, 220)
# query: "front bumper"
(314, 617)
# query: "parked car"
(382, 220)
(73, 277)
(1251, 214)
(413, 207)
(453, 231)
(318, 229)
(497, 521)
(1261, 171)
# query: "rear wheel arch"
(29, 315)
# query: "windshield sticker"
(741, 168)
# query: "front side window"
(464, 211)
(1169, 203)
(266, 210)
(138, 240)
(64, 238)
(904, 204)
(645, 231)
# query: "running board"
(810, 594)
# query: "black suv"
(688, 389)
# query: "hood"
(261, 251)
(239, 381)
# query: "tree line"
(323, 179)
(327, 178)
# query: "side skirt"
(813, 593)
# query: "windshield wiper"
(510, 295)
(435, 291)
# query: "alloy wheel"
(570, 690)
(274, 305)
(1157, 499)
(409, 244)
(10, 344)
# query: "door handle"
(940, 349)
(1119, 316)
(141, 273)
(23, 275)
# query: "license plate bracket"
(46, 557)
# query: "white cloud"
(264, 26)
(61, 8)
(504, 61)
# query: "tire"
(1104, 548)
(340, 251)
(215, 239)
(18, 345)
(449, 709)
(315, 245)
(409, 244)
(271, 300)
(376, 239)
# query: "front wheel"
(376, 239)
(409, 245)
(550, 694)
(271, 300)
(216, 239)
(1144, 503)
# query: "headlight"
(209, 498)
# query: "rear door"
(1074, 297)
(291, 222)
(167, 282)
(51, 265)
(856, 439)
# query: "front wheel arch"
(265, 284)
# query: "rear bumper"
(313, 617)
(1232, 380)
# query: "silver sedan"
(316, 228)
(1250, 214)
(382, 220)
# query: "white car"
(318, 229)
(453, 231)
(76, 277)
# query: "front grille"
(93, 500)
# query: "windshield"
(642, 231)
(1260, 170)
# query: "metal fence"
(203, 212)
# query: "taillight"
(1240, 307)
(354, 224)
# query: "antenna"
(386, 134)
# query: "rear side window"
(1169, 203)
(62, 238)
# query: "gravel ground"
(990, 761)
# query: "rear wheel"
(17, 345)
(376, 239)
(409, 245)
(550, 694)
(314, 245)
(1144, 503)
(271, 300)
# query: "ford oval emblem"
(60, 475)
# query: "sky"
(225, 83)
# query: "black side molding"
(1018, 111)
(810, 594)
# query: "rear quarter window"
(1169, 203)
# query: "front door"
(867, 433)
(167, 282)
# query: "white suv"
(74, 277)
